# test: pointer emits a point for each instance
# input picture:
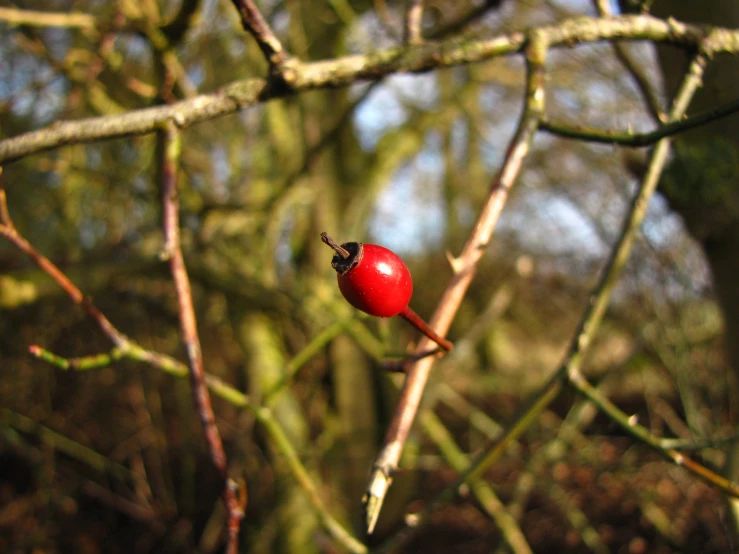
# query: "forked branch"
(254, 22)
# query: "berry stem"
(414, 319)
(343, 252)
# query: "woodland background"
(113, 458)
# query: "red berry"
(375, 280)
(371, 277)
(380, 284)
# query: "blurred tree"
(114, 459)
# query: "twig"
(577, 381)
(348, 70)
(639, 139)
(14, 16)
(647, 91)
(8, 230)
(464, 269)
(264, 416)
(254, 22)
(95, 361)
(133, 510)
(188, 325)
(413, 20)
(697, 444)
(66, 445)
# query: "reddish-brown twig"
(188, 325)
(8, 230)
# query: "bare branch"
(639, 139)
(348, 70)
(645, 88)
(8, 230)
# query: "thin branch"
(697, 444)
(645, 88)
(14, 16)
(133, 510)
(188, 325)
(8, 230)
(638, 139)
(413, 20)
(66, 445)
(464, 270)
(254, 22)
(641, 80)
(95, 361)
(285, 446)
(577, 381)
(155, 359)
(348, 70)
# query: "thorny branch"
(464, 270)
